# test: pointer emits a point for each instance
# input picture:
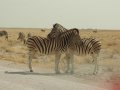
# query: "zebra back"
(88, 46)
(49, 46)
(68, 38)
(37, 43)
(56, 30)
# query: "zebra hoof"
(31, 70)
(58, 72)
(66, 72)
(94, 73)
(72, 72)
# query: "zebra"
(21, 37)
(95, 31)
(42, 30)
(29, 35)
(57, 29)
(89, 46)
(4, 33)
(53, 46)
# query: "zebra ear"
(54, 25)
(76, 31)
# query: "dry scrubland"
(109, 60)
(15, 51)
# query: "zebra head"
(76, 38)
(19, 35)
(56, 30)
(69, 37)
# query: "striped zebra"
(4, 33)
(57, 29)
(21, 37)
(95, 31)
(53, 46)
(42, 30)
(89, 46)
(29, 35)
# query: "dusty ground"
(17, 77)
(13, 64)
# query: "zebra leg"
(72, 63)
(30, 61)
(31, 54)
(68, 65)
(68, 62)
(96, 65)
(57, 60)
(6, 37)
(24, 41)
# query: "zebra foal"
(88, 46)
(53, 46)
(21, 37)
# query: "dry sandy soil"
(14, 73)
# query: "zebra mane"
(58, 27)
(76, 31)
(56, 30)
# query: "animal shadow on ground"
(33, 73)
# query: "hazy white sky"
(69, 13)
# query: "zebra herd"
(60, 41)
(54, 46)
(85, 46)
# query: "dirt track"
(16, 77)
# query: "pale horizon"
(82, 14)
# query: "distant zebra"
(21, 37)
(42, 30)
(53, 46)
(29, 35)
(88, 46)
(95, 31)
(4, 33)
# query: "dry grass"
(15, 51)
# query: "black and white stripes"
(50, 46)
(86, 46)
(57, 29)
(90, 47)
